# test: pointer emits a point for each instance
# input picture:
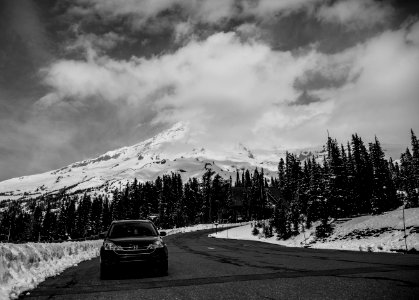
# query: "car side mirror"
(162, 233)
(103, 234)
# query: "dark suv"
(133, 241)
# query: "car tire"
(163, 269)
(104, 272)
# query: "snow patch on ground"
(197, 227)
(24, 266)
(379, 233)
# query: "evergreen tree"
(106, 217)
(48, 224)
(96, 213)
(218, 197)
(384, 192)
(415, 157)
(363, 179)
(207, 195)
(135, 200)
(414, 198)
(117, 205)
(37, 218)
(71, 218)
(83, 226)
(336, 178)
(238, 183)
(407, 178)
(281, 173)
(61, 229)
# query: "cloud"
(91, 43)
(264, 8)
(305, 99)
(384, 96)
(243, 91)
(356, 13)
(220, 83)
(184, 32)
(162, 14)
(413, 33)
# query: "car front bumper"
(113, 258)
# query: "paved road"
(208, 268)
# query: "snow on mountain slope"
(173, 150)
(170, 151)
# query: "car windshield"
(132, 229)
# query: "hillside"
(373, 233)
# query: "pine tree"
(281, 173)
(96, 213)
(238, 183)
(37, 223)
(125, 204)
(178, 206)
(247, 179)
(384, 192)
(254, 199)
(61, 229)
(363, 176)
(207, 195)
(83, 226)
(407, 177)
(106, 217)
(229, 200)
(336, 178)
(415, 157)
(415, 170)
(189, 199)
(218, 195)
(117, 207)
(197, 199)
(48, 224)
(71, 218)
(135, 200)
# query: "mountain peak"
(176, 132)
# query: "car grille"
(133, 249)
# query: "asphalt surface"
(208, 268)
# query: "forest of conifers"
(351, 180)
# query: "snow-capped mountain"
(172, 150)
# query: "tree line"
(167, 200)
(351, 179)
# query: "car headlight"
(156, 244)
(110, 246)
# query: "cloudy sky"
(81, 77)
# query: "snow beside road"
(201, 227)
(367, 233)
(24, 266)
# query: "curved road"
(208, 268)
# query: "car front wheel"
(163, 268)
(104, 272)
